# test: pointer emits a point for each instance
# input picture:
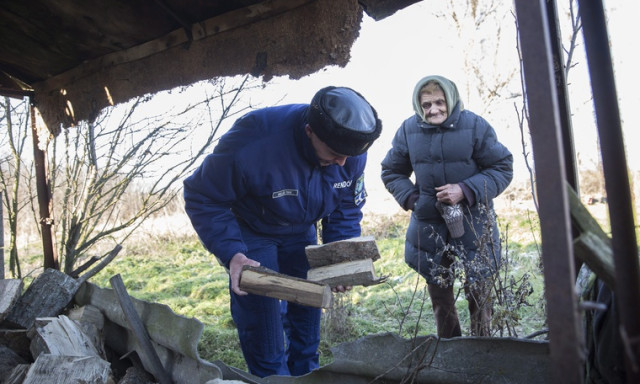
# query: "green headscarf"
(450, 93)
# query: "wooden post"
(565, 331)
(1, 239)
(148, 353)
(44, 199)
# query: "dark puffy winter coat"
(464, 149)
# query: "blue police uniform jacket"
(264, 173)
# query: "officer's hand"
(235, 269)
(341, 288)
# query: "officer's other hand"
(235, 269)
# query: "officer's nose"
(340, 160)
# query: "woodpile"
(42, 341)
(65, 330)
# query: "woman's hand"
(449, 194)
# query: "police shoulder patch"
(359, 192)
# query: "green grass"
(178, 272)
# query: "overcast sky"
(391, 55)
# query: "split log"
(47, 296)
(10, 291)
(8, 360)
(91, 322)
(265, 282)
(87, 314)
(61, 336)
(17, 374)
(50, 293)
(348, 273)
(136, 375)
(68, 369)
(18, 341)
(357, 248)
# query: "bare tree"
(118, 170)
(110, 174)
(479, 26)
(15, 127)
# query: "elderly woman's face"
(434, 106)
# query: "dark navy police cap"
(344, 120)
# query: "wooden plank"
(47, 296)
(265, 282)
(10, 291)
(4, 79)
(207, 28)
(593, 245)
(147, 352)
(357, 248)
(598, 255)
(68, 370)
(581, 217)
(348, 273)
(179, 37)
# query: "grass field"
(174, 269)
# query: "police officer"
(257, 198)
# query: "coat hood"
(450, 93)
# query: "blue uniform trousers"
(277, 338)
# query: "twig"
(84, 266)
(105, 260)
(537, 333)
(428, 340)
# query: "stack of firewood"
(66, 330)
(42, 341)
(341, 263)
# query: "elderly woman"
(459, 167)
